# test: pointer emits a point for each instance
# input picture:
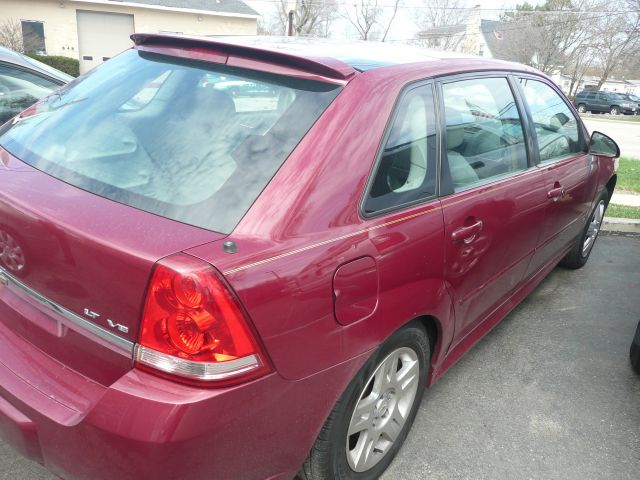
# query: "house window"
(33, 36)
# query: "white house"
(95, 30)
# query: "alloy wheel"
(593, 228)
(382, 409)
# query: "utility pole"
(290, 32)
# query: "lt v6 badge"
(117, 326)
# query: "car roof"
(15, 58)
(344, 58)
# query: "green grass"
(620, 211)
(628, 175)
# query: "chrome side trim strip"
(126, 346)
(332, 240)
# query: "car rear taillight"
(193, 328)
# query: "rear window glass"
(190, 141)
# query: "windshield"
(190, 141)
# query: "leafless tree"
(581, 62)
(547, 36)
(554, 37)
(310, 17)
(11, 35)
(441, 23)
(371, 19)
(618, 36)
(363, 15)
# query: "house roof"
(494, 37)
(444, 31)
(503, 40)
(205, 7)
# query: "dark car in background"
(604, 102)
(24, 81)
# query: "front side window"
(168, 136)
(406, 168)
(20, 89)
(484, 135)
(556, 127)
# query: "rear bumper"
(143, 426)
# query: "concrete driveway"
(548, 394)
(626, 134)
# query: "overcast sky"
(403, 26)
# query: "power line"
(471, 9)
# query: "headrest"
(217, 103)
(455, 127)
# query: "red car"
(201, 286)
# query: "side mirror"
(604, 146)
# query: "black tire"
(327, 459)
(582, 108)
(577, 257)
(634, 353)
(615, 110)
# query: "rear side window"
(556, 127)
(20, 89)
(191, 141)
(484, 135)
(406, 169)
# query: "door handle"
(467, 234)
(555, 193)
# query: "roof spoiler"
(324, 66)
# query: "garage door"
(101, 36)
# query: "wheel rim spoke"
(362, 415)
(594, 228)
(363, 450)
(394, 426)
(408, 375)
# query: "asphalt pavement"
(625, 133)
(548, 394)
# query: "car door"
(591, 100)
(403, 216)
(602, 102)
(492, 196)
(562, 153)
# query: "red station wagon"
(197, 284)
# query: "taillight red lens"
(194, 329)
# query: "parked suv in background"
(604, 102)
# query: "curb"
(621, 225)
